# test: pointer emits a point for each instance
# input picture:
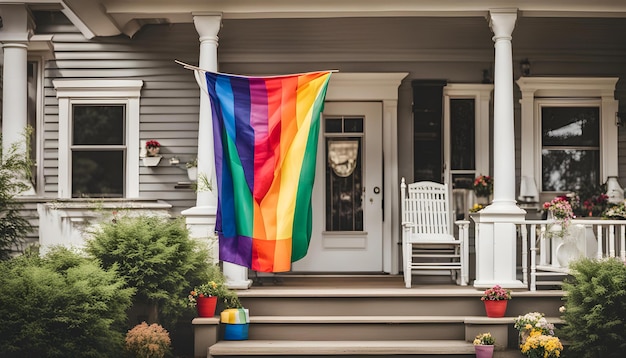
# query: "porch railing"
(546, 251)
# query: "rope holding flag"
(265, 131)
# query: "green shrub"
(595, 309)
(62, 305)
(156, 256)
(13, 227)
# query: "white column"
(16, 31)
(496, 239)
(14, 115)
(201, 218)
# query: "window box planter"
(151, 161)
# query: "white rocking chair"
(428, 245)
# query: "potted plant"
(153, 148)
(496, 299)
(192, 169)
(560, 210)
(539, 345)
(530, 322)
(152, 157)
(483, 187)
(204, 298)
(483, 345)
(148, 341)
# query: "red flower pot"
(495, 308)
(206, 306)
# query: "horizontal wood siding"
(169, 104)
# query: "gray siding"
(168, 106)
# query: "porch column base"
(236, 276)
(496, 246)
(201, 223)
(505, 284)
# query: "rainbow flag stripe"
(266, 132)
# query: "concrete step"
(328, 349)
(339, 348)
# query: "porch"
(357, 315)
(362, 314)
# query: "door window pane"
(344, 187)
(462, 136)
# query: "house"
(420, 93)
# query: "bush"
(148, 341)
(62, 305)
(13, 227)
(156, 256)
(595, 309)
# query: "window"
(98, 150)
(98, 138)
(570, 147)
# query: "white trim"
(99, 91)
(567, 89)
(379, 87)
(481, 93)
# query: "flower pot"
(151, 161)
(482, 200)
(153, 151)
(192, 173)
(206, 306)
(484, 351)
(495, 308)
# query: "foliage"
(561, 210)
(15, 162)
(589, 200)
(148, 341)
(215, 287)
(192, 164)
(595, 308)
(538, 345)
(156, 256)
(61, 305)
(476, 208)
(484, 339)
(152, 144)
(534, 321)
(483, 185)
(616, 212)
(496, 293)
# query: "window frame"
(541, 103)
(96, 92)
(566, 90)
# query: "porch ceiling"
(113, 17)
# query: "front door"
(348, 191)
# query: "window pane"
(98, 174)
(567, 170)
(334, 125)
(462, 127)
(353, 125)
(344, 200)
(94, 125)
(570, 126)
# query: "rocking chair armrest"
(462, 222)
(407, 224)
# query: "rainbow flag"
(266, 132)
